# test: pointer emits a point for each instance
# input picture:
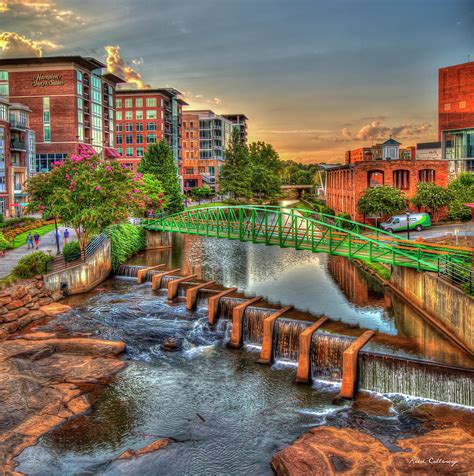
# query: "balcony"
(17, 145)
(18, 125)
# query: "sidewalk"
(47, 243)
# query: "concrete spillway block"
(192, 293)
(213, 304)
(156, 279)
(142, 272)
(238, 313)
(174, 284)
(266, 353)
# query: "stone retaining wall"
(20, 304)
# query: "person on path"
(66, 236)
(29, 241)
(36, 238)
(58, 237)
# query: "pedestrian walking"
(29, 241)
(37, 239)
(58, 238)
(66, 236)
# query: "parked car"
(418, 221)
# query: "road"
(47, 244)
(460, 229)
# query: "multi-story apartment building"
(144, 117)
(17, 156)
(456, 116)
(71, 99)
(206, 138)
(240, 123)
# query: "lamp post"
(57, 236)
(408, 223)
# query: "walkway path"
(47, 243)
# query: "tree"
(153, 189)
(159, 161)
(236, 174)
(266, 167)
(295, 173)
(87, 194)
(430, 196)
(381, 201)
(199, 193)
(461, 191)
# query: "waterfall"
(165, 280)
(253, 324)
(128, 271)
(326, 355)
(286, 342)
(226, 305)
(149, 274)
(202, 300)
(387, 374)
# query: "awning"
(86, 149)
(110, 152)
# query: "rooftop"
(168, 92)
(86, 62)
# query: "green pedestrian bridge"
(307, 230)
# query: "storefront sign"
(41, 80)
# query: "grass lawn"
(208, 205)
(20, 239)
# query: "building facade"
(206, 138)
(456, 116)
(389, 150)
(71, 100)
(345, 184)
(240, 123)
(144, 117)
(17, 156)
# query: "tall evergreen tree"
(236, 174)
(159, 161)
(266, 167)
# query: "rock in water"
(171, 344)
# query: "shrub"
(126, 240)
(71, 251)
(4, 243)
(32, 264)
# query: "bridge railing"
(457, 273)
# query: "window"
(120, 150)
(138, 115)
(129, 139)
(118, 115)
(46, 120)
(375, 178)
(44, 162)
(128, 127)
(4, 116)
(139, 138)
(118, 139)
(128, 115)
(118, 103)
(139, 102)
(128, 103)
(151, 114)
(139, 127)
(462, 104)
(447, 106)
(151, 138)
(151, 126)
(426, 175)
(191, 125)
(401, 179)
(129, 151)
(3, 202)
(3, 75)
(150, 102)
(118, 127)
(140, 151)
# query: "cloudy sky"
(315, 77)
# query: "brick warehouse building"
(345, 184)
(456, 116)
(144, 117)
(71, 101)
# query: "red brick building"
(71, 100)
(144, 117)
(456, 116)
(345, 184)
(191, 169)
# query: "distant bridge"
(306, 230)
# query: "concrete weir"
(174, 284)
(303, 372)
(142, 272)
(349, 365)
(238, 313)
(266, 354)
(156, 279)
(192, 293)
(213, 304)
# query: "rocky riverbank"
(44, 379)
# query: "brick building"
(192, 171)
(456, 116)
(144, 117)
(71, 100)
(17, 156)
(345, 184)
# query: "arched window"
(375, 178)
(426, 175)
(401, 179)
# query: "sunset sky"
(315, 77)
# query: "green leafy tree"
(159, 161)
(381, 201)
(153, 189)
(235, 176)
(266, 167)
(430, 196)
(295, 173)
(198, 193)
(87, 194)
(461, 191)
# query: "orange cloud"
(375, 130)
(43, 9)
(117, 66)
(13, 45)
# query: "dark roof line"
(86, 62)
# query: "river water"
(227, 414)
